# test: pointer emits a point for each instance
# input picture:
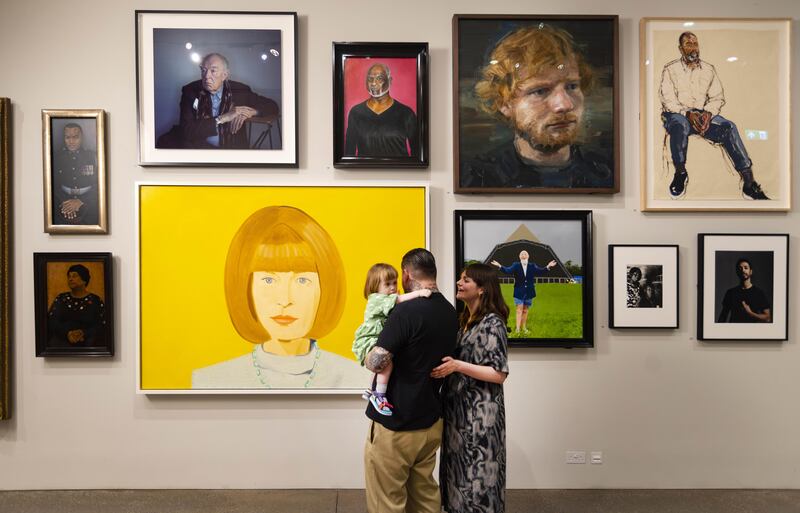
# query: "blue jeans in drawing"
(720, 131)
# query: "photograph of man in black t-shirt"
(745, 302)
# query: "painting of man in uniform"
(380, 105)
(536, 105)
(75, 172)
(541, 271)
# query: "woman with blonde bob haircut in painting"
(285, 289)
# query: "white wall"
(665, 410)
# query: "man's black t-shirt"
(419, 333)
(381, 135)
(754, 297)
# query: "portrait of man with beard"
(536, 82)
(381, 126)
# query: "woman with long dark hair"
(473, 458)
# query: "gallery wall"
(666, 410)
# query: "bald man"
(381, 126)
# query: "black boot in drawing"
(750, 188)
(678, 186)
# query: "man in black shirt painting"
(745, 302)
(381, 126)
(400, 451)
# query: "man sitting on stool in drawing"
(692, 98)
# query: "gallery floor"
(352, 501)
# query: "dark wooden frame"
(5, 262)
(99, 115)
(701, 248)
(614, 20)
(231, 161)
(40, 261)
(344, 50)
(585, 218)
(612, 280)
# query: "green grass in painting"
(556, 311)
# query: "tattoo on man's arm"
(377, 359)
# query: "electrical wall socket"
(576, 457)
(597, 457)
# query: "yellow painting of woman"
(273, 311)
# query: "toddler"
(381, 293)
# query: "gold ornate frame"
(5, 339)
(48, 116)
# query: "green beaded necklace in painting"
(263, 380)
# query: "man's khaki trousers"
(399, 470)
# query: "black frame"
(344, 50)
(612, 280)
(701, 247)
(295, 163)
(40, 261)
(585, 218)
(457, 55)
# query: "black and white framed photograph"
(73, 294)
(544, 262)
(643, 287)
(217, 88)
(742, 287)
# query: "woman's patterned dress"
(472, 471)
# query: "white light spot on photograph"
(188, 46)
(733, 59)
(195, 57)
(756, 135)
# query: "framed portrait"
(74, 143)
(380, 105)
(74, 304)
(217, 88)
(544, 261)
(742, 286)
(281, 288)
(643, 290)
(535, 104)
(5, 262)
(715, 114)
